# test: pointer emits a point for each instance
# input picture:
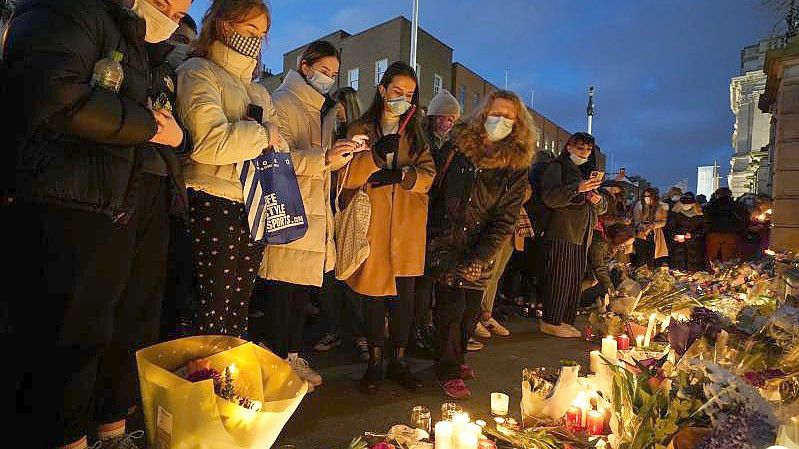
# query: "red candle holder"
(574, 418)
(595, 423)
(623, 342)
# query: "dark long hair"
(374, 115)
(222, 11)
(315, 51)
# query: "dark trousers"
(226, 262)
(644, 252)
(456, 315)
(400, 311)
(92, 297)
(336, 300)
(285, 316)
(177, 308)
(564, 269)
(424, 301)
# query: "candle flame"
(233, 370)
(770, 252)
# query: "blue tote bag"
(272, 199)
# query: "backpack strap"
(441, 174)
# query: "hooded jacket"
(475, 206)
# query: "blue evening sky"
(661, 68)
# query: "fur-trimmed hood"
(506, 154)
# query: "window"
(476, 100)
(353, 76)
(419, 73)
(380, 68)
(462, 96)
(438, 82)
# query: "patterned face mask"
(247, 46)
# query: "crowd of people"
(128, 210)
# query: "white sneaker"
(573, 329)
(481, 331)
(474, 345)
(561, 331)
(496, 328)
(303, 369)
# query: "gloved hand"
(385, 178)
(386, 145)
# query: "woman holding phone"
(218, 103)
(397, 174)
(306, 116)
(569, 188)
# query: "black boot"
(374, 372)
(398, 371)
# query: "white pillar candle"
(444, 435)
(499, 404)
(460, 422)
(609, 347)
(475, 429)
(650, 328)
(596, 361)
(466, 440)
(639, 341)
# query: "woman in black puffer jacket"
(474, 206)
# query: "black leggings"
(285, 315)
(400, 311)
(456, 315)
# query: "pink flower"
(383, 445)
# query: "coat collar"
(235, 63)
(296, 84)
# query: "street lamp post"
(414, 32)
(590, 109)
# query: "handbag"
(351, 226)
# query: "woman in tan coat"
(306, 117)
(397, 174)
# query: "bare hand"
(275, 138)
(589, 185)
(342, 151)
(169, 133)
(594, 198)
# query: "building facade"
(749, 165)
(707, 180)
(781, 100)
(366, 55)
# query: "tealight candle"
(623, 342)
(595, 424)
(466, 440)
(609, 347)
(499, 404)
(443, 435)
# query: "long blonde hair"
(472, 134)
(224, 11)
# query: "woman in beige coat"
(215, 89)
(306, 116)
(650, 217)
(397, 174)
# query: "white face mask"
(159, 27)
(675, 198)
(577, 159)
(321, 82)
(398, 106)
(498, 127)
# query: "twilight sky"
(661, 68)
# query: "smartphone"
(255, 112)
(598, 174)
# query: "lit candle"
(499, 404)
(609, 347)
(679, 238)
(596, 361)
(475, 429)
(623, 341)
(444, 435)
(584, 404)
(595, 424)
(639, 341)
(466, 440)
(574, 417)
(460, 421)
(650, 328)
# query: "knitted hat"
(444, 104)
